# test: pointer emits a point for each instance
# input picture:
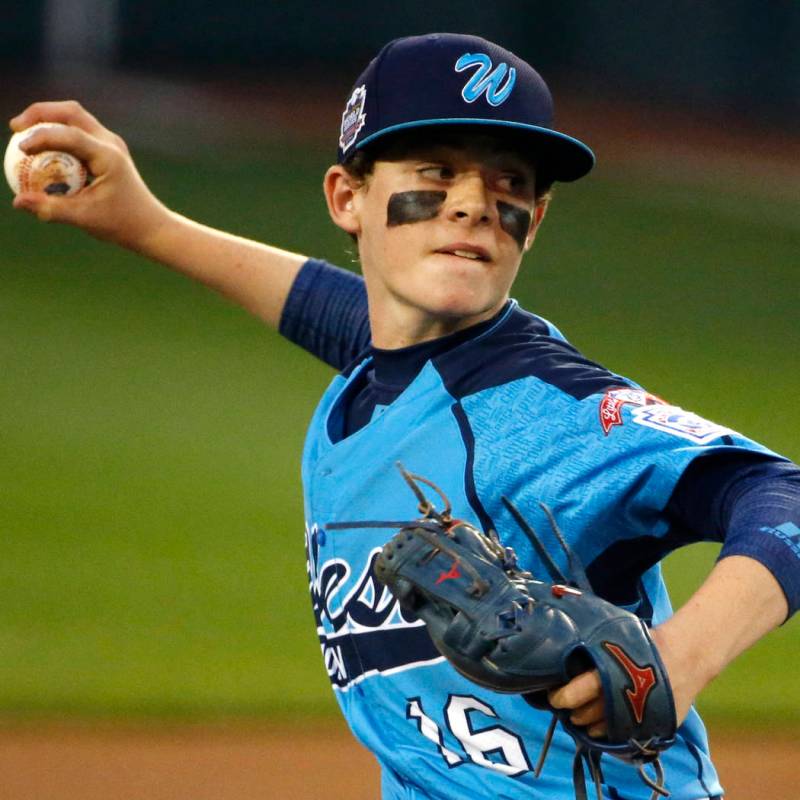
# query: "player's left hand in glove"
(505, 630)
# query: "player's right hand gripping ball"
(52, 171)
(505, 630)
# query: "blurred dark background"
(718, 57)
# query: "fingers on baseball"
(68, 112)
(97, 155)
(582, 689)
(47, 208)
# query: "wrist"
(689, 666)
(686, 653)
(157, 236)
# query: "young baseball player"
(446, 155)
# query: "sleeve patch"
(789, 533)
(674, 420)
(613, 401)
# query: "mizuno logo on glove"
(643, 679)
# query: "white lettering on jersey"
(674, 420)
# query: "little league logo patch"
(353, 118)
(674, 420)
(613, 401)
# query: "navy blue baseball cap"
(454, 79)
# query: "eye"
(436, 172)
(513, 183)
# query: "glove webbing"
(591, 758)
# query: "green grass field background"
(151, 520)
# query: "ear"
(340, 192)
(538, 215)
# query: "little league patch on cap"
(454, 79)
(353, 118)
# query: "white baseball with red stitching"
(51, 171)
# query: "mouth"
(463, 250)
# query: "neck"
(396, 325)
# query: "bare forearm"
(256, 276)
(738, 604)
(119, 207)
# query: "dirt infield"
(67, 762)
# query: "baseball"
(51, 171)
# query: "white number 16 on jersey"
(477, 743)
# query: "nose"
(468, 200)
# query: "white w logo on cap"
(486, 80)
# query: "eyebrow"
(506, 162)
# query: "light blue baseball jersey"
(514, 411)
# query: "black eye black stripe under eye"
(417, 206)
(515, 221)
(405, 207)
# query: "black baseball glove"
(505, 630)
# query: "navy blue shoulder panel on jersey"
(326, 313)
(519, 345)
(748, 500)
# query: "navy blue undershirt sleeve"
(326, 313)
(749, 503)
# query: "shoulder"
(523, 345)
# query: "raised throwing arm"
(119, 207)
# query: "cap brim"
(562, 157)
